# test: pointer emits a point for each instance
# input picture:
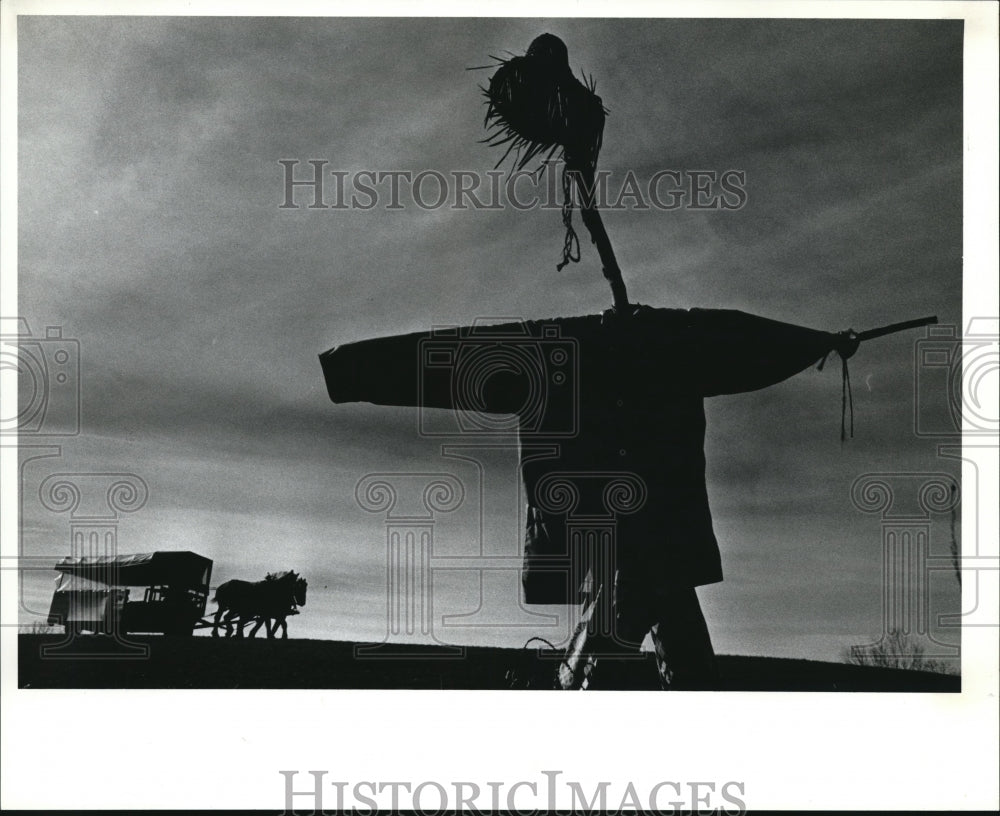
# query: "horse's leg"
(215, 628)
(284, 628)
(230, 614)
(271, 626)
(256, 629)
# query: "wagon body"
(95, 593)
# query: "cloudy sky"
(151, 231)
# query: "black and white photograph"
(370, 380)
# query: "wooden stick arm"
(892, 328)
(849, 340)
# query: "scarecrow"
(610, 408)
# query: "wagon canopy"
(181, 569)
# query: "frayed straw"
(536, 107)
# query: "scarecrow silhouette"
(609, 408)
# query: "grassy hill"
(209, 663)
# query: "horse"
(280, 618)
(272, 599)
(277, 596)
(278, 614)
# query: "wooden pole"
(584, 180)
(871, 334)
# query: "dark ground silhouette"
(211, 663)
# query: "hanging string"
(846, 396)
(846, 399)
(571, 244)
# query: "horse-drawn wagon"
(98, 593)
(166, 592)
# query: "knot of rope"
(571, 244)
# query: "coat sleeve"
(734, 351)
(456, 368)
(384, 370)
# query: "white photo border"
(224, 749)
